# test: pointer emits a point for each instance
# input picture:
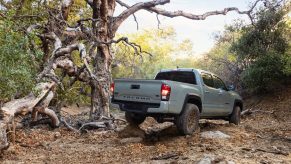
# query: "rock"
(214, 134)
(230, 162)
(205, 160)
(57, 135)
(120, 128)
(131, 140)
(131, 131)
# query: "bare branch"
(83, 55)
(63, 120)
(131, 10)
(172, 14)
(80, 22)
(203, 16)
(159, 22)
(125, 5)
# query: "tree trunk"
(100, 89)
(102, 64)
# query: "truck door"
(224, 97)
(211, 100)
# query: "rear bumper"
(137, 107)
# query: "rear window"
(179, 76)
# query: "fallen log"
(29, 104)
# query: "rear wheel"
(188, 121)
(235, 115)
(133, 118)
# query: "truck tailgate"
(146, 91)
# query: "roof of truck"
(185, 69)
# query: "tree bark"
(102, 63)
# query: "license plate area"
(136, 98)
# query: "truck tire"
(188, 121)
(133, 118)
(235, 115)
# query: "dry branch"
(149, 6)
(131, 10)
(93, 125)
(24, 106)
(273, 151)
(251, 111)
(63, 120)
(166, 156)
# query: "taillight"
(112, 88)
(165, 92)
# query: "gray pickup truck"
(180, 95)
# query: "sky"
(200, 32)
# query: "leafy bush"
(264, 74)
(263, 48)
(17, 70)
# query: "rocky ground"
(263, 137)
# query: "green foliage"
(17, 70)
(267, 35)
(265, 50)
(166, 52)
(78, 93)
(264, 73)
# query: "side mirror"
(231, 87)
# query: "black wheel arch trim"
(191, 96)
(239, 102)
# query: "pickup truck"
(179, 95)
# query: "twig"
(275, 151)
(159, 22)
(250, 111)
(93, 124)
(165, 156)
(63, 120)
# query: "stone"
(205, 160)
(57, 135)
(130, 140)
(214, 135)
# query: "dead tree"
(92, 37)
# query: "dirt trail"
(268, 129)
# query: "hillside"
(263, 137)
